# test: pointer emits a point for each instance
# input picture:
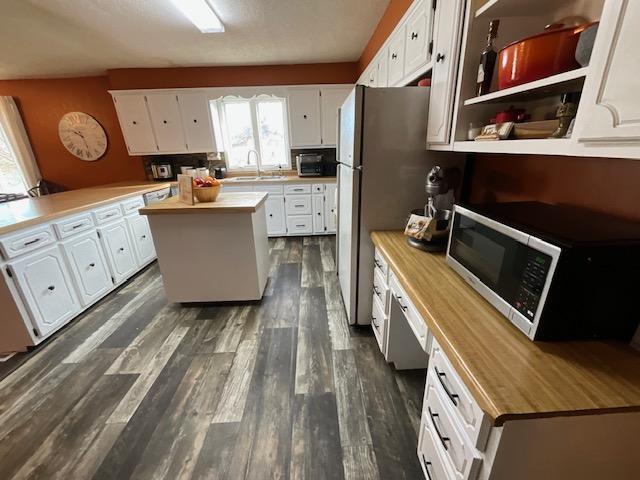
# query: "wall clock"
(82, 135)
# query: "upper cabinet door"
(331, 100)
(136, 123)
(196, 122)
(382, 67)
(418, 36)
(610, 105)
(396, 57)
(166, 121)
(446, 39)
(304, 117)
(372, 76)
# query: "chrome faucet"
(257, 160)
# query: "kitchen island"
(212, 251)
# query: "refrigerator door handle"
(338, 138)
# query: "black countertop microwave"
(556, 272)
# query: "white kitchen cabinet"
(118, 249)
(166, 121)
(318, 214)
(300, 225)
(330, 205)
(610, 106)
(304, 117)
(331, 99)
(135, 122)
(418, 37)
(395, 55)
(141, 239)
(46, 288)
(88, 265)
(298, 205)
(196, 122)
(382, 67)
(446, 37)
(276, 218)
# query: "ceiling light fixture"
(201, 15)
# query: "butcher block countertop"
(33, 211)
(509, 375)
(226, 203)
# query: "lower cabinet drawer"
(73, 225)
(378, 322)
(26, 241)
(414, 319)
(430, 454)
(132, 206)
(473, 420)
(107, 214)
(298, 205)
(462, 458)
(297, 189)
(380, 288)
(300, 224)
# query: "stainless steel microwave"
(555, 272)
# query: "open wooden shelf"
(555, 146)
(545, 87)
(515, 8)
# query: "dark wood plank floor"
(282, 388)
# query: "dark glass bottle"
(487, 61)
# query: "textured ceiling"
(54, 38)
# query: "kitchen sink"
(271, 177)
(240, 179)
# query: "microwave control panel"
(532, 283)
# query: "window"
(11, 180)
(259, 124)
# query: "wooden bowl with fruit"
(206, 190)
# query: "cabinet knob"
(271, 214)
(304, 116)
(143, 237)
(164, 121)
(51, 288)
(195, 120)
(121, 249)
(92, 265)
(135, 123)
(414, 35)
(440, 57)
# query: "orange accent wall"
(190, 77)
(609, 185)
(43, 102)
(391, 17)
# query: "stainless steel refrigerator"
(382, 166)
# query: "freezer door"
(348, 237)
(350, 127)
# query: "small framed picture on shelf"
(495, 131)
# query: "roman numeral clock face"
(83, 136)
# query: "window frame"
(13, 159)
(253, 102)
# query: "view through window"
(10, 177)
(253, 124)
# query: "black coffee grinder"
(439, 207)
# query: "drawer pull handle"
(109, 215)
(300, 226)
(92, 265)
(375, 323)
(393, 57)
(442, 438)
(78, 226)
(452, 396)
(51, 288)
(378, 264)
(377, 292)
(414, 35)
(31, 242)
(427, 464)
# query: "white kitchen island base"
(214, 254)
